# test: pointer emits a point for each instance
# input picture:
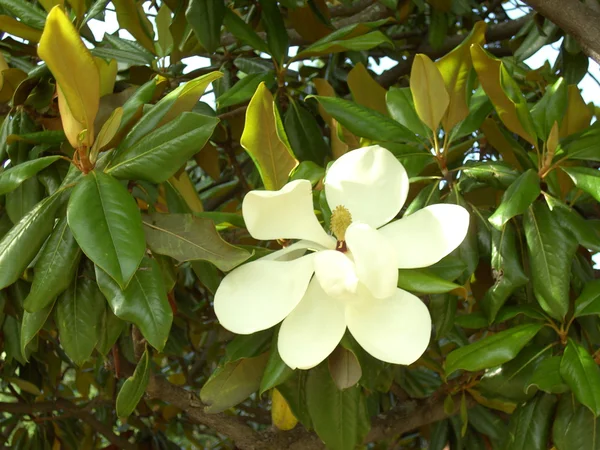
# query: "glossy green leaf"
(486, 422)
(424, 282)
(529, 427)
(27, 12)
(107, 225)
(206, 18)
(54, 269)
(304, 134)
(277, 37)
(134, 387)
(492, 350)
(495, 174)
(161, 153)
(507, 269)
(583, 145)
(582, 374)
(588, 303)
(551, 108)
(535, 40)
(401, 107)
(233, 383)
(187, 238)
(584, 231)
(244, 89)
(443, 311)
(575, 428)
(143, 302)
(365, 122)
(551, 251)
(23, 199)
(547, 377)
(243, 31)
(11, 178)
(79, 313)
(517, 198)
(276, 371)
(19, 246)
(586, 179)
(31, 324)
(110, 330)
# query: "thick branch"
(577, 19)
(494, 33)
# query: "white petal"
(284, 214)
(374, 258)
(370, 182)
(335, 273)
(425, 237)
(260, 294)
(312, 330)
(396, 330)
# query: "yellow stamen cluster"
(340, 221)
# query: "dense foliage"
(121, 185)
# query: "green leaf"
(31, 324)
(143, 302)
(339, 417)
(586, 179)
(187, 238)
(551, 251)
(163, 22)
(365, 122)
(276, 371)
(205, 17)
(551, 108)
(244, 89)
(26, 12)
(479, 109)
(517, 198)
(529, 426)
(535, 40)
(247, 345)
(492, 350)
(107, 225)
(575, 428)
(19, 246)
(547, 377)
(357, 37)
(583, 145)
(294, 392)
(443, 311)
(588, 303)
(425, 282)
(10, 179)
(401, 106)
(161, 153)
(54, 269)
(304, 134)
(584, 230)
(277, 37)
(79, 312)
(244, 32)
(507, 269)
(134, 387)
(498, 174)
(110, 330)
(488, 423)
(233, 383)
(582, 374)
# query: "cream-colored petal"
(312, 330)
(425, 237)
(260, 294)
(335, 273)
(396, 330)
(370, 182)
(293, 251)
(374, 258)
(284, 214)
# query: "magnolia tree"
(323, 253)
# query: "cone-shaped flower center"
(340, 221)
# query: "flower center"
(340, 221)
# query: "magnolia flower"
(355, 271)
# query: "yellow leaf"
(306, 22)
(9, 81)
(188, 95)
(578, 115)
(281, 414)
(163, 21)
(260, 138)
(429, 91)
(71, 126)
(13, 26)
(488, 71)
(3, 63)
(107, 72)
(455, 67)
(107, 133)
(365, 90)
(169, 412)
(73, 66)
(208, 160)
(552, 142)
(25, 386)
(49, 4)
(79, 7)
(507, 407)
(178, 379)
(187, 190)
(131, 17)
(498, 141)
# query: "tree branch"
(494, 33)
(577, 19)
